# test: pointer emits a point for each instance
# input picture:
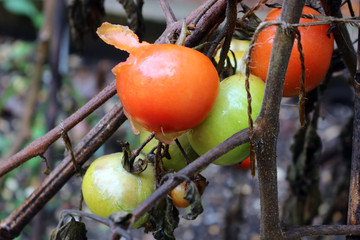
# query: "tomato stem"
(182, 151)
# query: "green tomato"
(239, 45)
(107, 187)
(229, 115)
(177, 161)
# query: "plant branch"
(341, 35)
(16, 221)
(231, 15)
(354, 197)
(320, 230)
(209, 19)
(267, 124)
(40, 145)
(169, 14)
(202, 12)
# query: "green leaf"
(25, 8)
(21, 7)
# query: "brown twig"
(16, 221)
(40, 145)
(302, 95)
(178, 144)
(214, 15)
(202, 12)
(169, 14)
(137, 151)
(321, 230)
(341, 36)
(231, 15)
(158, 159)
(354, 198)
(251, 11)
(267, 124)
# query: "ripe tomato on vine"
(317, 47)
(164, 88)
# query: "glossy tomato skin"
(177, 195)
(167, 88)
(177, 161)
(107, 187)
(229, 115)
(317, 48)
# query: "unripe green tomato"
(239, 45)
(229, 115)
(107, 187)
(177, 161)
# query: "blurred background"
(40, 86)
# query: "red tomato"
(245, 165)
(317, 48)
(164, 88)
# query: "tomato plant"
(107, 187)
(317, 48)
(164, 88)
(229, 115)
(177, 160)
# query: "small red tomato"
(164, 88)
(244, 165)
(317, 48)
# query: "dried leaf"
(164, 219)
(134, 15)
(84, 16)
(128, 161)
(195, 208)
(73, 230)
(303, 177)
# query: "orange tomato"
(164, 88)
(317, 48)
(178, 193)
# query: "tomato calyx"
(128, 161)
